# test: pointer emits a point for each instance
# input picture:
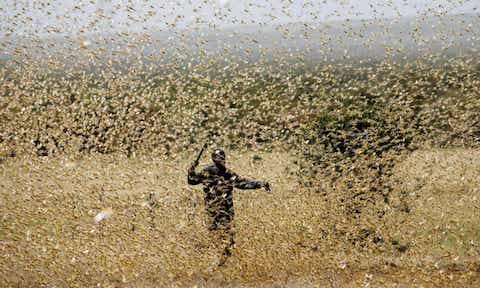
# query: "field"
(374, 170)
(365, 123)
(49, 237)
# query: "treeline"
(142, 112)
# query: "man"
(219, 182)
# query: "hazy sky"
(72, 17)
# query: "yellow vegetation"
(157, 233)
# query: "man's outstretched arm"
(248, 183)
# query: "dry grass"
(71, 217)
(49, 238)
(446, 188)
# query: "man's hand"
(266, 185)
(192, 167)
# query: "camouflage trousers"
(221, 216)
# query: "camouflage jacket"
(219, 183)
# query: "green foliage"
(381, 110)
(357, 127)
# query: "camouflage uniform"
(219, 182)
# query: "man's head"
(218, 157)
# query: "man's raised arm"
(193, 177)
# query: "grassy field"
(157, 234)
(367, 130)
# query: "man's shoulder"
(214, 170)
(230, 172)
(211, 169)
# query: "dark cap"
(218, 154)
